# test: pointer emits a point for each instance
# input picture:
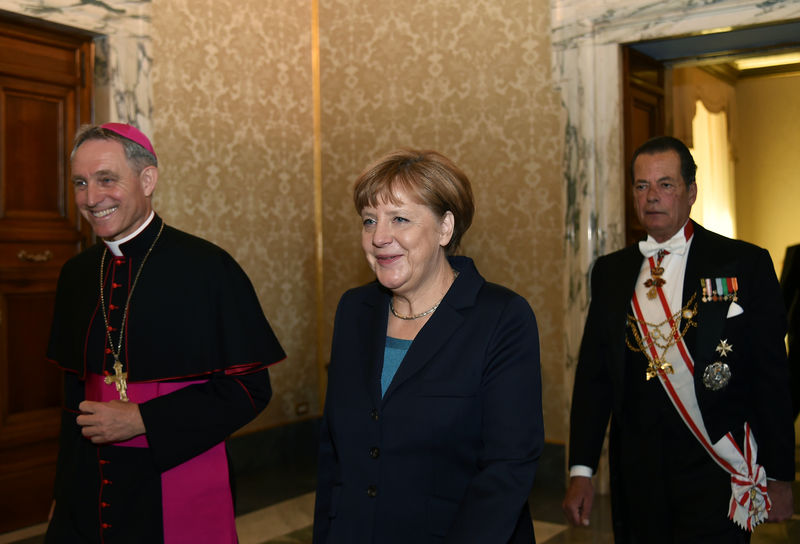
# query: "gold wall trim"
(316, 99)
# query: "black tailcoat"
(609, 380)
(193, 315)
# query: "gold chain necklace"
(120, 378)
(415, 316)
(423, 314)
(658, 339)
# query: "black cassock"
(196, 347)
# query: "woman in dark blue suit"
(433, 419)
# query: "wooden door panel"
(30, 402)
(38, 122)
(644, 114)
(39, 54)
(45, 93)
(27, 484)
(29, 316)
(34, 124)
(36, 258)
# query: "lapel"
(437, 332)
(622, 287)
(704, 262)
(375, 319)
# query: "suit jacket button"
(374, 415)
(374, 452)
(372, 491)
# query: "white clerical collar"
(113, 245)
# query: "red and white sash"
(749, 504)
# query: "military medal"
(718, 374)
(720, 289)
(656, 270)
(724, 348)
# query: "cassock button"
(372, 491)
(374, 415)
(374, 452)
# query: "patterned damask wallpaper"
(234, 126)
(233, 130)
(471, 80)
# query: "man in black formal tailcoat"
(683, 350)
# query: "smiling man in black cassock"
(165, 350)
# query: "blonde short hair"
(429, 177)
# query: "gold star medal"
(724, 348)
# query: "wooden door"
(644, 114)
(45, 93)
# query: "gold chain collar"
(658, 340)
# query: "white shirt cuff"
(580, 470)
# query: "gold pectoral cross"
(120, 380)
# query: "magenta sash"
(196, 495)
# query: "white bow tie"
(675, 245)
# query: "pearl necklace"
(422, 314)
(415, 316)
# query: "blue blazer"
(449, 453)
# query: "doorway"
(739, 59)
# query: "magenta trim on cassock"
(196, 495)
